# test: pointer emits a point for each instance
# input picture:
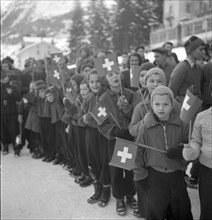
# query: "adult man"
(162, 61)
(173, 56)
(187, 73)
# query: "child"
(159, 176)
(54, 98)
(119, 102)
(142, 92)
(154, 77)
(85, 69)
(96, 144)
(32, 122)
(10, 94)
(85, 179)
(200, 147)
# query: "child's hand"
(31, 86)
(86, 118)
(9, 90)
(67, 129)
(122, 102)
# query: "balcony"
(201, 27)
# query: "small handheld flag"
(99, 113)
(124, 154)
(134, 76)
(70, 91)
(106, 64)
(190, 107)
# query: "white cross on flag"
(191, 105)
(57, 58)
(106, 64)
(99, 113)
(124, 154)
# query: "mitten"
(122, 133)
(176, 152)
(122, 102)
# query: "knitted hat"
(162, 90)
(50, 89)
(77, 78)
(156, 70)
(192, 44)
(84, 81)
(41, 86)
(38, 83)
(146, 66)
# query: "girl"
(134, 60)
(154, 77)
(96, 144)
(119, 101)
(142, 92)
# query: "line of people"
(60, 129)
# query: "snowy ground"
(32, 189)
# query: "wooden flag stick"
(115, 120)
(142, 98)
(190, 130)
(143, 145)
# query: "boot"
(16, 149)
(5, 149)
(105, 197)
(97, 193)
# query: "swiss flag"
(134, 76)
(124, 154)
(57, 58)
(106, 64)
(99, 113)
(190, 107)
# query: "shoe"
(86, 182)
(191, 182)
(45, 158)
(5, 152)
(50, 159)
(80, 178)
(57, 161)
(136, 213)
(17, 154)
(130, 200)
(74, 172)
(121, 207)
(105, 197)
(97, 193)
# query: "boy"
(160, 176)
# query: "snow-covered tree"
(77, 30)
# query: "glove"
(143, 184)
(122, 133)
(122, 102)
(176, 152)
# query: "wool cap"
(156, 70)
(50, 89)
(146, 66)
(192, 44)
(162, 90)
(77, 78)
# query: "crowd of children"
(60, 128)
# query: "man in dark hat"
(162, 61)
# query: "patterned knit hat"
(192, 44)
(162, 90)
(156, 70)
(146, 66)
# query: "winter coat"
(164, 137)
(201, 140)
(141, 110)
(109, 99)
